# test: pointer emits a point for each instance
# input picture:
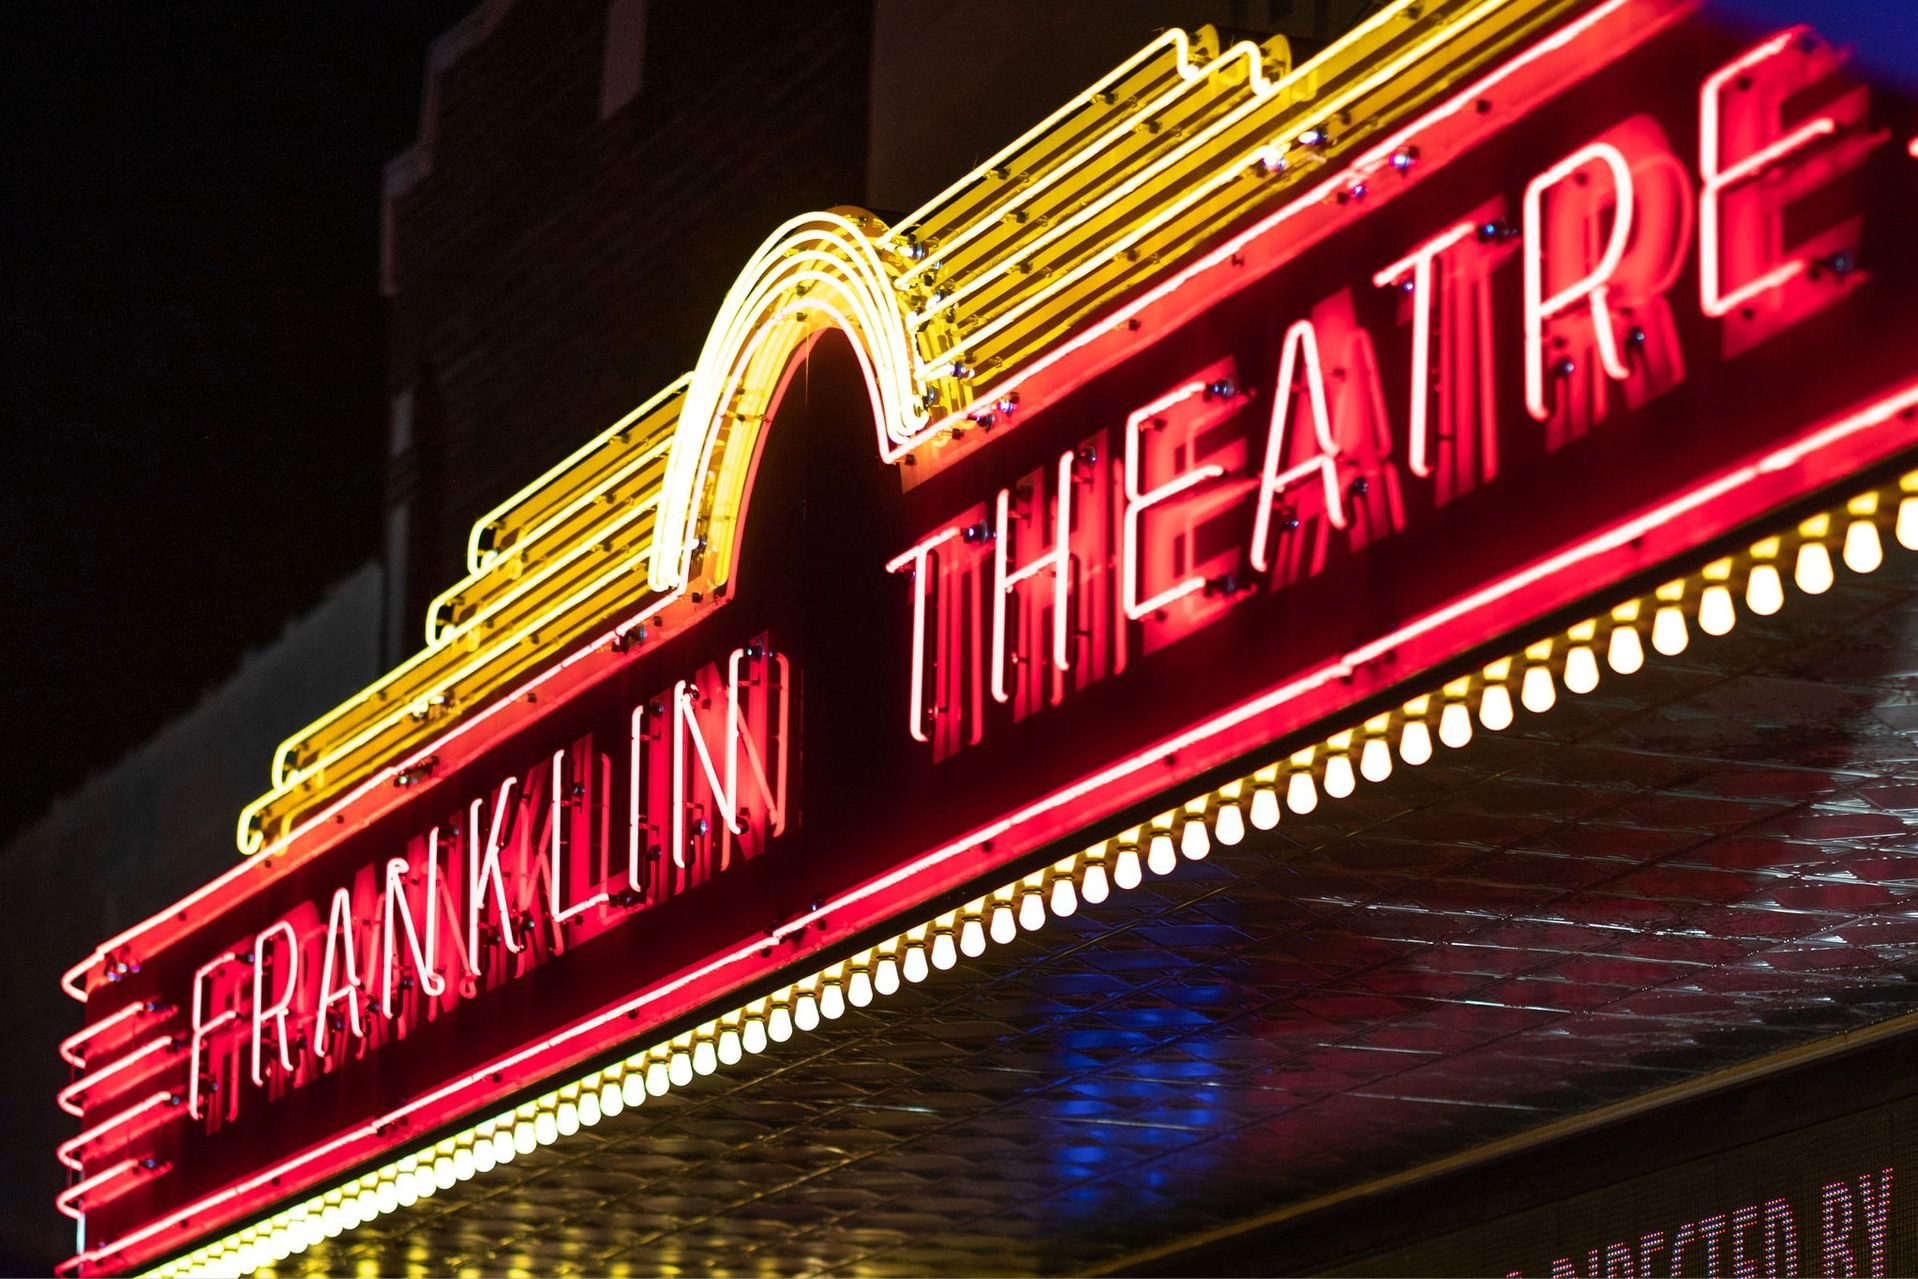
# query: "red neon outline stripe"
(65, 1151)
(69, 1047)
(87, 1083)
(80, 1189)
(1620, 535)
(1314, 197)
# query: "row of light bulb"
(1707, 598)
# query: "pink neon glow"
(1138, 502)
(556, 879)
(69, 1152)
(282, 1006)
(1312, 199)
(68, 1097)
(69, 1200)
(915, 561)
(339, 939)
(399, 912)
(201, 1029)
(1300, 338)
(1613, 539)
(1057, 560)
(485, 867)
(124, 1020)
(725, 792)
(1590, 288)
(1419, 263)
(1712, 296)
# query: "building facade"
(1307, 668)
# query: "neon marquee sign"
(1640, 284)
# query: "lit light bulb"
(1004, 926)
(1265, 807)
(752, 1036)
(331, 1221)
(1813, 572)
(1495, 707)
(885, 975)
(1669, 635)
(914, 966)
(1907, 527)
(1126, 872)
(1193, 840)
(858, 989)
(567, 1118)
(806, 1012)
(679, 1067)
(659, 1079)
(1032, 912)
(832, 1002)
(524, 1143)
(972, 938)
(1536, 691)
(1581, 669)
(545, 1131)
(1716, 614)
(1228, 824)
(705, 1057)
(779, 1023)
(632, 1089)
(1415, 742)
(387, 1197)
(612, 1096)
(1300, 795)
(588, 1108)
(1339, 779)
(504, 1150)
(732, 1052)
(1455, 725)
(463, 1169)
(1625, 654)
(1375, 760)
(944, 953)
(1764, 592)
(1863, 551)
(1160, 857)
(484, 1161)
(1064, 899)
(1094, 887)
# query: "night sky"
(191, 346)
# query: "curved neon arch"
(821, 271)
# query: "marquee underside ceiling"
(1696, 866)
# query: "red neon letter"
(1273, 482)
(1713, 295)
(1419, 263)
(202, 1028)
(426, 958)
(1139, 501)
(1590, 288)
(1058, 560)
(482, 865)
(562, 913)
(917, 561)
(725, 791)
(339, 934)
(283, 1003)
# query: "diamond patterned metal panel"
(1694, 866)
